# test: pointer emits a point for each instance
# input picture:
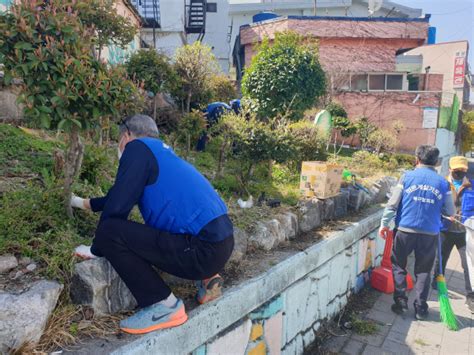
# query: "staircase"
(196, 17)
(149, 10)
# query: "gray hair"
(140, 126)
(427, 154)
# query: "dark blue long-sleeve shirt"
(137, 169)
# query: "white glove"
(84, 252)
(77, 202)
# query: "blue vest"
(467, 205)
(422, 200)
(181, 201)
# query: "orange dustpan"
(382, 277)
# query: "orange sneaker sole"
(170, 324)
(211, 294)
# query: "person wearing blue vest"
(453, 233)
(414, 212)
(187, 231)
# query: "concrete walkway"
(405, 335)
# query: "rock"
(341, 203)
(383, 187)
(358, 198)
(289, 224)
(16, 274)
(95, 283)
(267, 235)
(23, 317)
(7, 262)
(328, 211)
(240, 245)
(310, 214)
(31, 267)
(25, 261)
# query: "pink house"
(359, 58)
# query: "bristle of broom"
(445, 311)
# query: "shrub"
(195, 64)
(308, 141)
(364, 129)
(404, 160)
(336, 110)
(368, 161)
(190, 128)
(382, 141)
(152, 69)
(284, 77)
(222, 88)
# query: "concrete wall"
(280, 311)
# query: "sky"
(453, 19)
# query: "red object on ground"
(382, 277)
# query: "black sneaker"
(421, 312)
(470, 301)
(400, 306)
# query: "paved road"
(405, 335)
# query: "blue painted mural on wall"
(117, 55)
(5, 4)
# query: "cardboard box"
(320, 179)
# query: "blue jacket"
(181, 201)
(424, 193)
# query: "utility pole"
(314, 10)
(155, 12)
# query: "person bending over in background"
(415, 209)
(187, 232)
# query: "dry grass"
(69, 324)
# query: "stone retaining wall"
(95, 283)
(280, 311)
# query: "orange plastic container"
(382, 277)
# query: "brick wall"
(384, 108)
(345, 45)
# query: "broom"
(445, 310)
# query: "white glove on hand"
(84, 252)
(77, 202)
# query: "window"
(359, 82)
(413, 82)
(211, 7)
(377, 82)
(341, 82)
(394, 82)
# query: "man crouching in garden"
(187, 232)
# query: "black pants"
(424, 246)
(448, 241)
(133, 249)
